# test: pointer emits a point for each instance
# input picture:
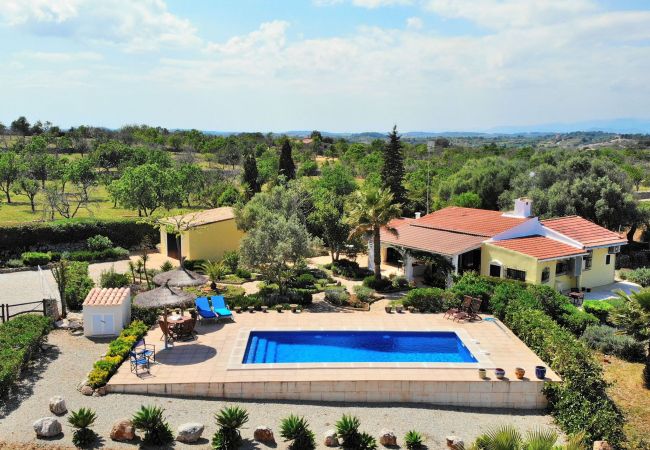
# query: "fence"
(39, 306)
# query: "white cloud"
(133, 25)
(57, 57)
(370, 4)
(270, 37)
(414, 23)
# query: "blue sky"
(336, 65)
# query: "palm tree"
(370, 210)
(634, 318)
(215, 271)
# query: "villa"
(565, 253)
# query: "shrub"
(304, 280)
(605, 339)
(364, 294)
(78, 285)
(99, 242)
(296, 429)
(194, 264)
(400, 283)
(166, 266)
(229, 420)
(429, 300)
(118, 350)
(413, 440)
(243, 273)
(81, 420)
(19, 339)
(156, 429)
(98, 255)
(148, 316)
(501, 297)
(598, 308)
(348, 269)
(231, 260)
(380, 285)
(576, 320)
(34, 259)
(112, 279)
(15, 263)
(640, 276)
(337, 297)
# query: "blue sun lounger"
(203, 308)
(220, 308)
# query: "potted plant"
(411, 309)
(389, 309)
(264, 308)
(293, 307)
(520, 372)
(540, 372)
(499, 373)
(278, 308)
(237, 309)
(399, 308)
(251, 309)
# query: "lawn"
(632, 397)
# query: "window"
(514, 274)
(562, 267)
(608, 259)
(588, 259)
(546, 275)
(495, 270)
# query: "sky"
(335, 65)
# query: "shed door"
(172, 246)
(103, 324)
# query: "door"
(103, 324)
(172, 246)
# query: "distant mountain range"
(619, 126)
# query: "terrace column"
(371, 252)
(408, 266)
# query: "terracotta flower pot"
(520, 372)
(389, 309)
(499, 373)
(237, 309)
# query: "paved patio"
(609, 290)
(204, 368)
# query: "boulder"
(331, 439)
(602, 445)
(264, 434)
(47, 427)
(123, 430)
(57, 405)
(87, 390)
(189, 432)
(455, 442)
(387, 438)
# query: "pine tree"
(287, 167)
(392, 172)
(249, 177)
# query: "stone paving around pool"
(203, 367)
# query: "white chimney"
(418, 215)
(523, 207)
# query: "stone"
(57, 405)
(87, 390)
(264, 434)
(101, 391)
(47, 427)
(331, 439)
(189, 432)
(455, 442)
(602, 445)
(123, 430)
(387, 438)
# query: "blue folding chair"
(203, 308)
(141, 348)
(138, 362)
(220, 308)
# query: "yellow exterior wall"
(600, 273)
(509, 259)
(209, 241)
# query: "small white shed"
(106, 311)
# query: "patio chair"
(186, 330)
(472, 313)
(220, 308)
(141, 348)
(467, 302)
(138, 362)
(167, 330)
(203, 308)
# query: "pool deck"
(208, 366)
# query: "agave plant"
(156, 430)
(367, 442)
(414, 440)
(215, 271)
(82, 419)
(166, 266)
(508, 437)
(230, 419)
(296, 429)
(347, 428)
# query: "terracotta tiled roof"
(430, 240)
(204, 217)
(479, 222)
(584, 231)
(107, 296)
(539, 247)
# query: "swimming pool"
(267, 347)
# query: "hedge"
(19, 338)
(430, 300)
(126, 233)
(118, 351)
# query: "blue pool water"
(355, 346)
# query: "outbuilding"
(106, 311)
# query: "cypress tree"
(287, 167)
(250, 175)
(392, 172)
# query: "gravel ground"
(63, 364)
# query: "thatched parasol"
(164, 297)
(180, 278)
